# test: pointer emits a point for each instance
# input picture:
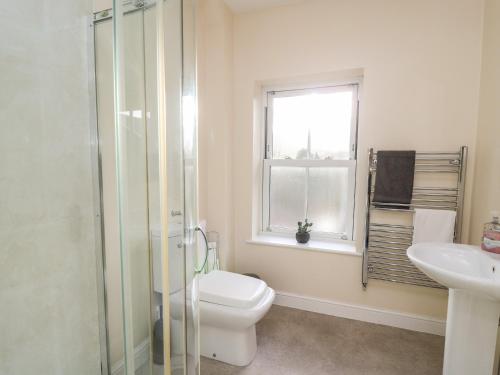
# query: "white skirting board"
(362, 313)
(141, 357)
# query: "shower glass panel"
(134, 214)
(132, 183)
(103, 36)
(193, 249)
(154, 105)
(49, 198)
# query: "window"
(310, 160)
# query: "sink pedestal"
(473, 278)
(471, 334)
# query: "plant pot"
(302, 237)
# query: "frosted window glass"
(287, 196)
(312, 126)
(328, 199)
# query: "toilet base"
(236, 347)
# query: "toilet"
(176, 292)
(230, 306)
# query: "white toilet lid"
(231, 289)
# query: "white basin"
(473, 277)
(459, 266)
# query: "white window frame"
(268, 163)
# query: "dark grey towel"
(394, 178)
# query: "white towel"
(433, 226)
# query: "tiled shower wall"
(48, 292)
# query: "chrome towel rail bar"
(384, 256)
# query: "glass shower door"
(194, 249)
(156, 185)
(132, 187)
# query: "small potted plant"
(303, 232)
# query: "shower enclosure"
(98, 199)
(148, 156)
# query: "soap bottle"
(491, 235)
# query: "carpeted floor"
(295, 342)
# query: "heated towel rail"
(439, 184)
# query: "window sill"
(314, 245)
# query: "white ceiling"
(241, 6)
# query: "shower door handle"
(176, 213)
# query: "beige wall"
(487, 178)
(99, 5)
(215, 71)
(421, 63)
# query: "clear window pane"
(313, 125)
(328, 199)
(287, 197)
(330, 125)
(290, 128)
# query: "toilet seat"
(231, 289)
(227, 317)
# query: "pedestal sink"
(473, 277)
